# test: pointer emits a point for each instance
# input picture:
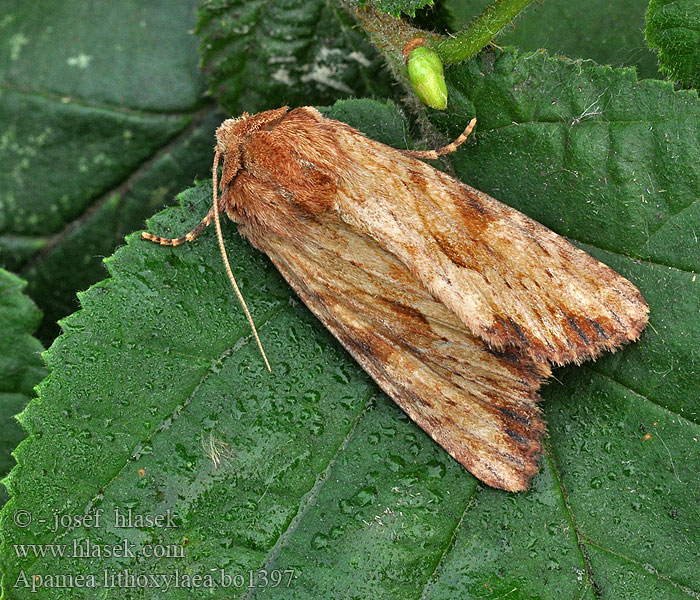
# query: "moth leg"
(433, 154)
(189, 237)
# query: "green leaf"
(607, 32)
(21, 367)
(260, 55)
(673, 30)
(158, 399)
(117, 53)
(396, 7)
(101, 123)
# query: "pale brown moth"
(453, 302)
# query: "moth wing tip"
(514, 482)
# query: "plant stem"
(480, 31)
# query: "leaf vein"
(642, 396)
(450, 545)
(163, 424)
(307, 500)
(577, 532)
(647, 568)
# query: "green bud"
(427, 78)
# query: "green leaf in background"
(115, 53)
(260, 55)
(606, 32)
(673, 30)
(396, 7)
(21, 366)
(101, 123)
(158, 399)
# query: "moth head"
(230, 137)
(232, 134)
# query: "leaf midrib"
(581, 536)
(305, 502)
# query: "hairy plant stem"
(390, 34)
(479, 32)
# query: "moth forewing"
(453, 302)
(478, 404)
(509, 279)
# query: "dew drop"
(395, 463)
(317, 429)
(553, 565)
(389, 432)
(436, 470)
(319, 541)
(366, 495)
(313, 397)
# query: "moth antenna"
(188, 237)
(224, 256)
(451, 147)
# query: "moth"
(456, 304)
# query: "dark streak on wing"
(517, 437)
(407, 311)
(515, 416)
(518, 332)
(504, 354)
(450, 250)
(577, 329)
(599, 328)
